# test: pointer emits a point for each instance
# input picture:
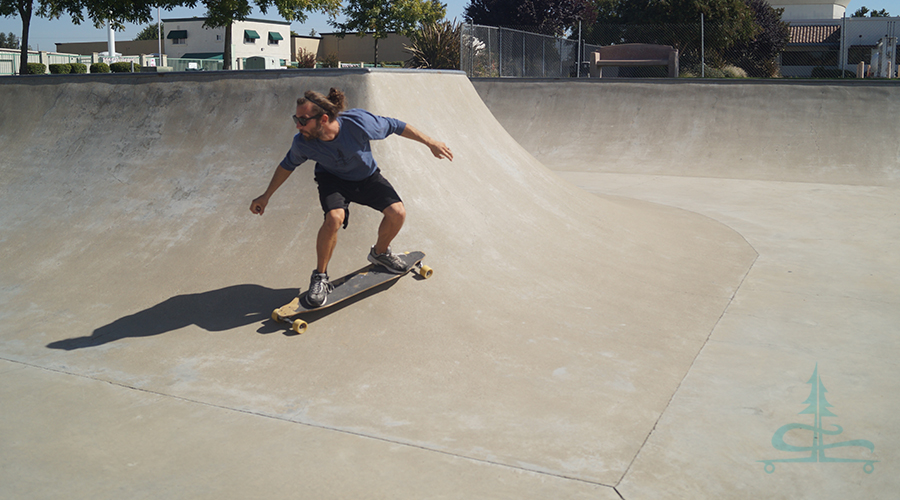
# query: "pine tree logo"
(819, 408)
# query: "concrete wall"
(739, 129)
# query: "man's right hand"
(258, 206)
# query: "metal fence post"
(500, 52)
(842, 57)
(702, 48)
(580, 45)
(543, 58)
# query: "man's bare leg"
(327, 238)
(394, 216)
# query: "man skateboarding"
(345, 172)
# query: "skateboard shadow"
(214, 311)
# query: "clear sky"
(44, 34)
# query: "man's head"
(331, 105)
(315, 111)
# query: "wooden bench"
(635, 54)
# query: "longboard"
(349, 286)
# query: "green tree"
(25, 9)
(151, 32)
(757, 56)
(503, 13)
(10, 41)
(862, 11)
(382, 17)
(553, 17)
(223, 13)
(728, 22)
(99, 11)
(549, 17)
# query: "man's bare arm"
(258, 206)
(438, 149)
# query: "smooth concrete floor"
(822, 298)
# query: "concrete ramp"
(801, 131)
(136, 289)
(791, 397)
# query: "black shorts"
(374, 191)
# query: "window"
(250, 36)
(178, 37)
(275, 37)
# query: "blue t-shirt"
(349, 155)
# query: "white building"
(795, 10)
(189, 39)
(825, 41)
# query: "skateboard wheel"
(426, 272)
(275, 317)
(299, 326)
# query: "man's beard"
(315, 134)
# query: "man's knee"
(334, 218)
(396, 212)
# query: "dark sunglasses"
(303, 121)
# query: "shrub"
(731, 71)
(36, 69)
(726, 71)
(79, 68)
(435, 46)
(100, 68)
(330, 61)
(306, 59)
(711, 72)
(60, 69)
(122, 67)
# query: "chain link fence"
(493, 52)
(821, 49)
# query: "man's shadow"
(214, 311)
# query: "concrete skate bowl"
(550, 340)
(804, 131)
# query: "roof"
(828, 34)
(248, 20)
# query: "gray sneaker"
(319, 288)
(388, 260)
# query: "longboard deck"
(348, 286)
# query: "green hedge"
(123, 67)
(60, 69)
(99, 68)
(36, 69)
(79, 68)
